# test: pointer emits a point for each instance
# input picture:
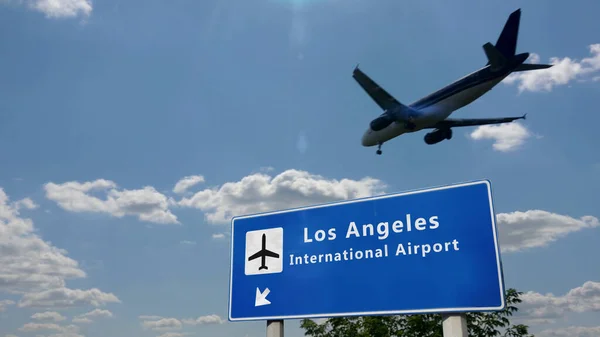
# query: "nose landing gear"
(379, 148)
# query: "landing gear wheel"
(378, 152)
(379, 148)
(449, 134)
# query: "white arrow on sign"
(261, 297)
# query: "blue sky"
(105, 106)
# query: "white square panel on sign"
(264, 251)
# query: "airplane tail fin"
(507, 41)
(506, 47)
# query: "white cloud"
(209, 319)
(174, 334)
(218, 236)
(160, 323)
(507, 137)
(147, 203)
(187, 242)
(571, 331)
(66, 298)
(26, 203)
(4, 304)
(69, 329)
(88, 317)
(564, 71)
(537, 228)
(539, 308)
(185, 183)
(57, 8)
(82, 320)
(62, 8)
(28, 263)
(260, 192)
(49, 316)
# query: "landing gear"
(449, 134)
(379, 148)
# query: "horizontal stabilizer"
(527, 67)
(495, 57)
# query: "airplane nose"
(365, 138)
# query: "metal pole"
(275, 328)
(454, 325)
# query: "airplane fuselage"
(433, 111)
(440, 104)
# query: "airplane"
(432, 111)
(263, 253)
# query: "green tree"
(479, 324)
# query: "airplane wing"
(255, 256)
(377, 93)
(454, 122)
(263, 252)
(271, 254)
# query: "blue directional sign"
(426, 251)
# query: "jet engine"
(381, 122)
(437, 136)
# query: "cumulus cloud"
(218, 236)
(161, 323)
(564, 71)
(28, 263)
(67, 298)
(571, 331)
(49, 316)
(69, 329)
(536, 228)
(174, 334)
(539, 308)
(4, 304)
(26, 203)
(209, 319)
(57, 8)
(147, 203)
(186, 182)
(89, 316)
(507, 137)
(64, 334)
(260, 192)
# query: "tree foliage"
(479, 324)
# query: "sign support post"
(275, 328)
(453, 325)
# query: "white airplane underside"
(432, 111)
